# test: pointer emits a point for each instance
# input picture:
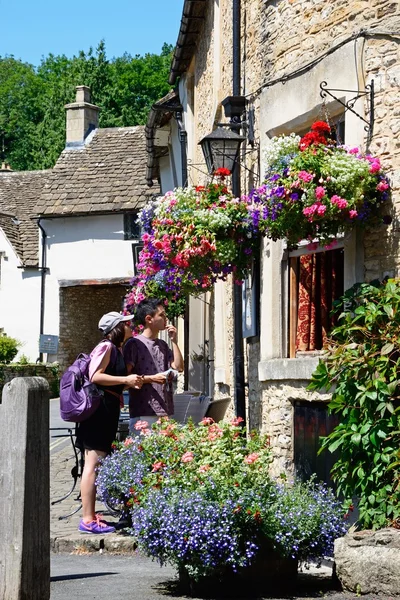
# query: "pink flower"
(141, 425)
(319, 192)
(310, 210)
(204, 468)
(354, 151)
(207, 421)
(375, 166)
(146, 431)
(340, 202)
(353, 214)
(251, 458)
(187, 457)
(146, 238)
(312, 246)
(382, 186)
(128, 441)
(331, 245)
(321, 210)
(157, 466)
(237, 421)
(305, 176)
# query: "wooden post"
(25, 490)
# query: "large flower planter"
(268, 571)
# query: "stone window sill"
(280, 369)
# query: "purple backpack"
(79, 397)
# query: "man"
(150, 357)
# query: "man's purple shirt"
(149, 357)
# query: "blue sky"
(30, 29)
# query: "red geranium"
(318, 135)
(321, 127)
(222, 172)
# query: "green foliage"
(23, 360)
(32, 100)
(8, 348)
(363, 365)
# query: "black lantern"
(221, 149)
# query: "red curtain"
(320, 283)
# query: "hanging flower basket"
(192, 237)
(316, 189)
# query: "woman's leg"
(88, 487)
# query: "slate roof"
(19, 194)
(106, 174)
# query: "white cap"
(111, 320)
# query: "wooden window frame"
(292, 304)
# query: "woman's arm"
(101, 378)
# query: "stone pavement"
(64, 533)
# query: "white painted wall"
(19, 301)
(91, 247)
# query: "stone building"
(288, 49)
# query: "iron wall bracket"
(349, 104)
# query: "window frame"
(129, 234)
(290, 310)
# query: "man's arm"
(157, 378)
(177, 362)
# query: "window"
(131, 226)
(315, 282)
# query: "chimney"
(82, 117)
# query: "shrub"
(363, 365)
(202, 499)
(8, 348)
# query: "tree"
(32, 100)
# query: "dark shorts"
(99, 431)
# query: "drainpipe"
(183, 143)
(43, 269)
(238, 359)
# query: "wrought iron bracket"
(349, 104)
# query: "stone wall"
(81, 307)
(49, 372)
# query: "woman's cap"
(111, 320)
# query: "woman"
(96, 434)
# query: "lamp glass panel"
(224, 153)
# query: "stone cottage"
(290, 51)
(69, 235)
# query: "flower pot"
(267, 572)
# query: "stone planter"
(268, 571)
(368, 562)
